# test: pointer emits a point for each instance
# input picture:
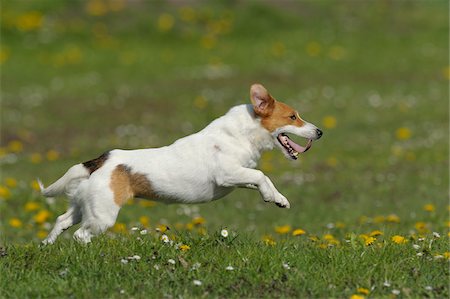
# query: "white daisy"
(165, 239)
(144, 232)
(416, 247)
(224, 233)
(229, 268)
(171, 261)
(124, 261)
(197, 282)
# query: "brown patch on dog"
(281, 115)
(125, 185)
(96, 163)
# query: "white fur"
(198, 168)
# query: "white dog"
(198, 168)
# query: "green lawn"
(369, 201)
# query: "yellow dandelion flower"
(393, 218)
(446, 72)
(187, 14)
(284, 229)
(363, 291)
(208, 41)
(5, 193)
(364, 236)
(165, 22)
(3, 152)
(313, 49)
(369, 241)
(376, 233)
(334, 242)
(313, 238)
(201, 231)
(42, 216)
(198, 220)
(403, 133)
(15, 146)
(144, 220)
(30, 21)
(328, 237)
(4, 55)
(185, 247)
(429, 207)
(298, 232)
(31, 206)
(119, 227)
(116, 5)
(329, 122)
(11, 182)
(52, 155)
(200, 102)
(399, 239)
(162, 228)
(340, 225)
(357, 296)
(268, 240)
(96, 8)
(421, 227)
(15, 222)
(446, 255)
(190, 226)
(447, 224)
(41, 234)
(35, 158)
(379, 219)
(35, 185)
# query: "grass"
(374, 76)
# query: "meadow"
(369, 213)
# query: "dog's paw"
(281, 201)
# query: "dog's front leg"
(253, 179)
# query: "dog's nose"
(319, 133)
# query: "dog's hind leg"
(99, 212)
(63, 222)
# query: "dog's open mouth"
(292, 148)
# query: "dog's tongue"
(299, 148)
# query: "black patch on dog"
(93, 165)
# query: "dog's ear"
(262, 101)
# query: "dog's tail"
(63, 185)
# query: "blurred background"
(82, 77)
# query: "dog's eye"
(293, 117)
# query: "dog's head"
(281, 119)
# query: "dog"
(201, 167)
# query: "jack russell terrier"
(201, 167)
